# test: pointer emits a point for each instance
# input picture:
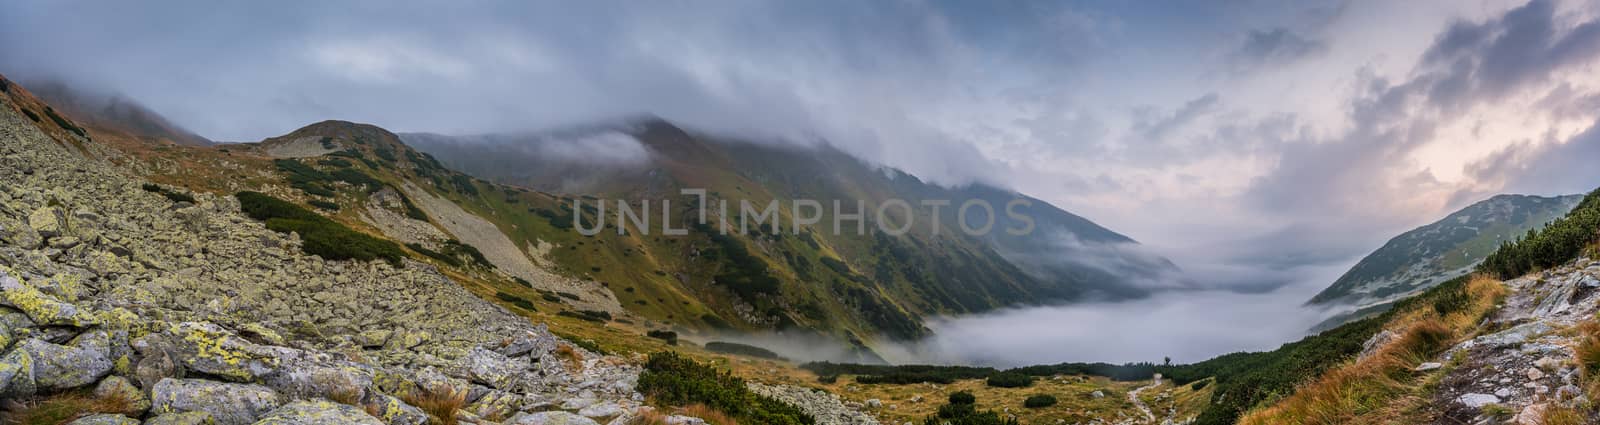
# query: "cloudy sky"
(1241, 138)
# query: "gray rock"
(16, 374)
(208, 348)
(496, 403)
(185, 418)
(228, 404)
(1428, 366)
(104, 419)
(48, 222)
(683, 420)
(57, 367)
(492, 369)
(1475, 400)
(319, 412)
(601, 410)
(549, 418)
(40, 307)
(395, 412)
(120, 388)
(1516, 335)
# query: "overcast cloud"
(1242, 139)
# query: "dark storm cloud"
(849, 72)
(1468, 64)
(1475, 62)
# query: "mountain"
(1066, 257)
(115, 116)
(506, 226)
(1423, 257)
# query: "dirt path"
(1133, 397)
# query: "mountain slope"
(115, 116)
(1066, 257)
(1440, 251)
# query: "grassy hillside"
(1442, 250)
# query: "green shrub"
(1554, 244)
(335, 162)
(520, 302)
(170, 194)
(669, 336)
(966, 414)
(742, 350)
(589, 315)
(63, 122)
(412, 210)
(715, 322)
(962, 397)
(1199, 385)
(319, 235)
(678, 381)
(30, 114)
(449, 260)
(1038, 401)
(1009, 380)
(330, 206)
(901, 374)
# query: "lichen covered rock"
(319, 412)
(228, 404)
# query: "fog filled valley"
(784, 213)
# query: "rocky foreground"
(191, 312)
(1528, 364)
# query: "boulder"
(601, 410)
(40, 307)
(318, 412)
(57, 367)
(120, 388)
(16, 374)
(492, 369)
(1428, 366)
(185, 418)
(104, 419)
(210, 349)
(1531, 415)
(549, 418)
(228, 404)
(395, 412)
(1476, 400)
(496, 404)
(48, 222)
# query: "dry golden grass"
(571, 356)
(1382, 388)
(1588, 356)
(60, 408)
(711, 416)
(341, 390)
(1560, 415)
(439, 402)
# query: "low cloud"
(1188, 326)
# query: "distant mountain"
(1066, 258)
(1451, 247)
(115, 116)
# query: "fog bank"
(1188, 326)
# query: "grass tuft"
(440, 402)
